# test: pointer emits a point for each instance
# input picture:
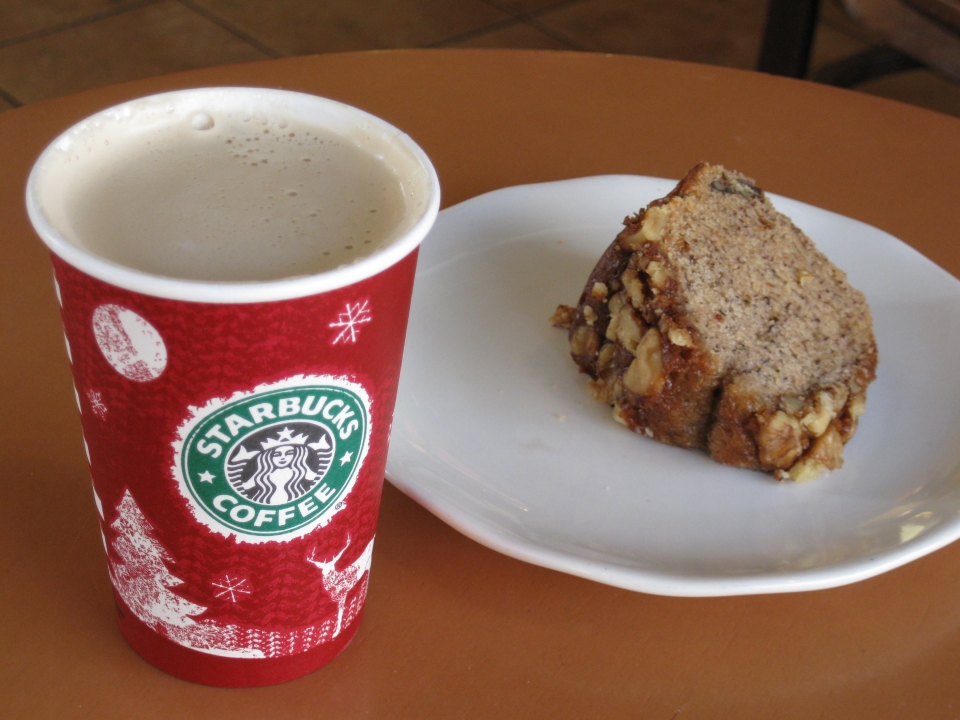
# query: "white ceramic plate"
(496, 433)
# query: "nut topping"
(585, 341)
(791, 404)
(825, 454)
(619, 416)
(645, 374)
(654, 222)
(616, 302)
(828, 448)
(806, 469)
(849, 419)
(680, 337)
(815, 422)
(606, 355)
(779, 441)
(633, 286)
(589, 314)
(629, 328)
(563, 317)
(858, 405)
(658, 274)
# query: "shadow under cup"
(236, 429)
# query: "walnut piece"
(826, 453)
(652, 228)
(680, 337)
(658, 274)
(645, 374)
(826, 406)
(633, 287)
(629, 328)
(589, 314)
(654, 222)
(780, 441)
(563, 317)
(585, 341)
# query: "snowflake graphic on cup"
(231, 587)
(349, 320)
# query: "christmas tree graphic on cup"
(139, 569)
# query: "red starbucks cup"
(236, 429)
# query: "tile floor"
(50, 48)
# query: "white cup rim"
(237, 291)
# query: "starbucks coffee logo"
(275, 463)
(281, 466)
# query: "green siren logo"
(275, 463)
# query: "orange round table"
(453, 629)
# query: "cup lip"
(243, 291)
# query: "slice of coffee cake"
(713, 322)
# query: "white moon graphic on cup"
(131, 345)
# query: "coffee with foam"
(222, 190)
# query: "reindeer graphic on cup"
(280, 464)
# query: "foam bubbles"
(202, 121)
